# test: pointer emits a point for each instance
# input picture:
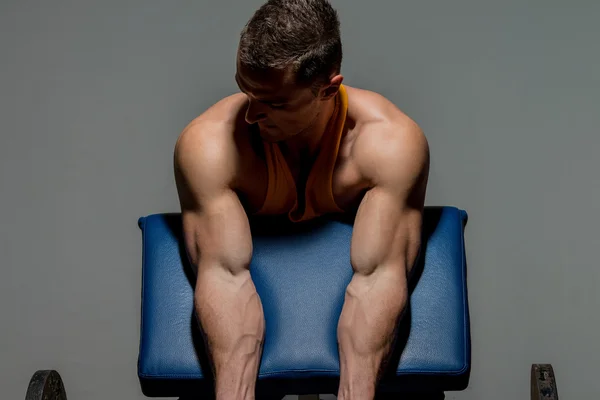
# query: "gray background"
(94, 94)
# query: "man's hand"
(385, 244)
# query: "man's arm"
(385, 244)
(219, 245)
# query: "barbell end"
(543, 382)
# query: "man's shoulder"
(386, 138)
(224, 116)
(216, 139)
(221, 125)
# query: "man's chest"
(262, 178)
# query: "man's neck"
(306, 143)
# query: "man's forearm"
(367, 329)
(231, 316)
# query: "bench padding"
(300, 273)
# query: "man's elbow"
(386, 281)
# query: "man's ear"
(332, 88)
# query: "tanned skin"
(380, 176)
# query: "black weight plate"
(46, 385)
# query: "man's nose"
(255, 112)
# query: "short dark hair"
(302, 34)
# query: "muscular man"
(297, 142)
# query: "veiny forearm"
(367, 329)
(231, 316)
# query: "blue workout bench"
(301, 272)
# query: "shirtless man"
(297, 142)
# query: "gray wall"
(93, 96)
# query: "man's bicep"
(386, 233)
(387, 229)
(217, 233)
(215, 224)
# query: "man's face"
(281, 108)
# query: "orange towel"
(282, 196)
